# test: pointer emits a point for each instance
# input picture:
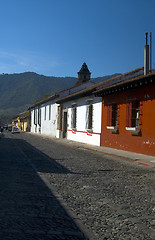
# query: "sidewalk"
(126, 155)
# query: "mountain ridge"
(19, 90)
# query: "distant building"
(24, 121)
(44, 116)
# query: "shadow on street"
(29, 209)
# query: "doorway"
(64, 133)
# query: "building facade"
(24, 120)
(44, 116)
(117, 113)
(80, 111)
(48, 115)
(81, 118)
(128, 114)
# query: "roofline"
(81, 93)
(127, 84)
(91, 89)
(52, 97)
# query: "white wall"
(33, 126)
(81, 134)
(48, 125)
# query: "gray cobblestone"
(28, 209)
(111, 197)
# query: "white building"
(74, 113)
(44, 116)
(81, 119)
(80, 112)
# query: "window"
(134, 113)
(73, 117)
(45, 112)
(89, 117)
(49, 112)
(35, 116)
(112, 115)
(39, 116)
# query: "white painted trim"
(131, 128)
(111, 127)
(90, 131)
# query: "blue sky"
(54, 37)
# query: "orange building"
(128, 112)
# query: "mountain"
(101, 79)
(19, 91)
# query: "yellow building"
(22, 122)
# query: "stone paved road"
(28, 208)
(113, 198)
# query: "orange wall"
(124, 140)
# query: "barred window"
(35, 116)
(112, 115)
(89, 116)
(45, 113)
(49, 112)
(73, 117)
(39, 116)
(133, 114)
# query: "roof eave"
(43, 101)
(73, 97)
(130, 84)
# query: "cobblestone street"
(52, 189)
